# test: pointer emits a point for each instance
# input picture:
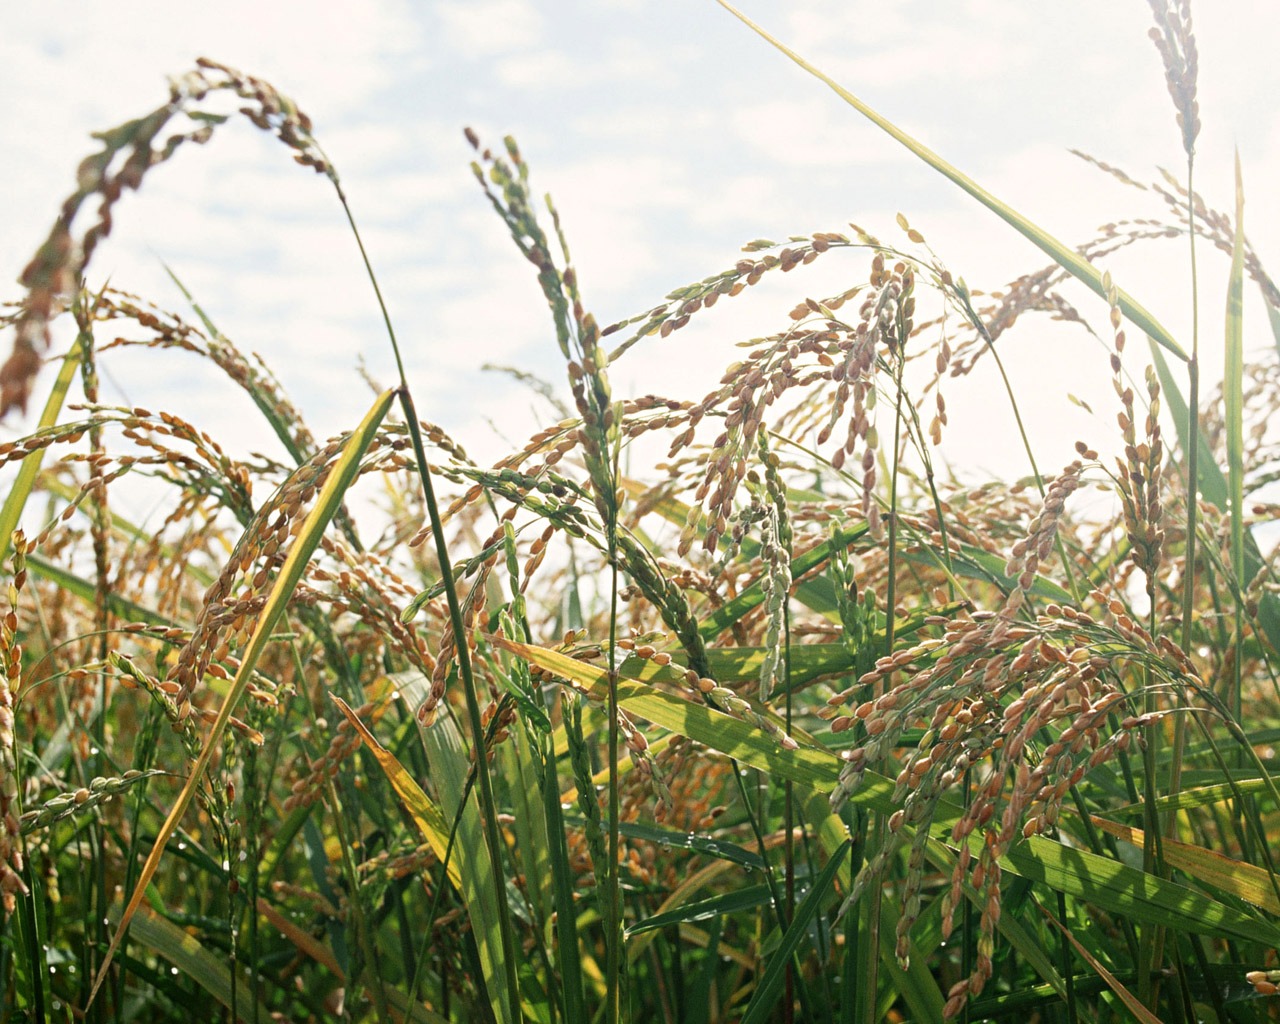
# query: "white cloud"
(866, 41)
(483, 28)
(539, 70)
(816, 130)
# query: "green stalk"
(99, 530)
(542, 759)
(1151, 946)
(871, 975)
(1232, 387)
(488, 805)
(1193, 435)
(363, 933)
(788, 818)
(1189, 557)
(850, 988)
(1193, 448)
(613, 893)
(776, 897)
(31, 938)
(1065, 949)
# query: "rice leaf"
(683, 893)
(1209, 478)
(810, 766)
(302, 939)
(1115, 887)
(1214, 488)
(16, 500)
(310, 946)
(1133, 894)
(1070, 260)
(425, 814)
(184, 951)
(478, 879)
(130, 532)
(83, 589)
(914, 985)
(568, 955)
(973, 563)
(702, 989)
(1246, 881)
(327, 504)
(1020, 937)
(766, 995)
(745, 898)
(1131, 1002)
(1233, 386)
(1201, 796)
(1273, 317)
(672, 840)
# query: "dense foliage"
(783, 725)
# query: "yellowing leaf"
(425, 814)
(1247, 881)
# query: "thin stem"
(1068, 565)
(1064, 947)
(788, 814)
(488, 805)
(775, 896)
(613, 896)
(1152, 945)
(1193, 423)
(377, 290)
(1193, 491)
(1153, 853)
(876, 822)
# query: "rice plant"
(692, 708)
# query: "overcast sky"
(668, 134)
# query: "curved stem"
(1193, 491)
(488, 804)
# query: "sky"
(669, 135)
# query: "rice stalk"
(295, 562)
